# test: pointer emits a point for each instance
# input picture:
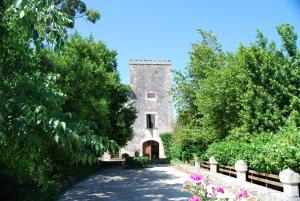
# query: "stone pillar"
(290, 180)
(106, 156)
(213, 165)
(241, 168)
(197, 163)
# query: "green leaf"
(22, 13)
(56, 137)
(18, 3)
(55, 124)
(97, 148)
(63, 125)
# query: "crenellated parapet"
(149, 62)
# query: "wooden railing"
(205, 165)
(115, 155)
(264, 179)
(227, 170)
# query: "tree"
(267, 99)
(206, 57)
(220, 98)
(41, 135)
(76, 9)
(236, 96)
(91, 83)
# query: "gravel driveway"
(157, 183)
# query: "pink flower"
(194, 198)
(197, 178)
(207, 183)
(186, 184)
(242, 194)
(220, 189)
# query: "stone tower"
(151, 82)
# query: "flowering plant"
(204, 190)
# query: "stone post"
(106, 156)
(213, 165)
(241, 168)
(290, 180)
(197, 164)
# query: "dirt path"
(157, 183)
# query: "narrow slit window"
(150, 121)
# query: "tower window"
(150, 120)
(151, 95)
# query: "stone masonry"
(151, 83)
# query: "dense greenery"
(266, 152)
(136, 162)
(240, 105)
(167, 140)
(91, 83)
(61, 101)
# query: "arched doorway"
(151, 149)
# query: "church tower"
(151, 83)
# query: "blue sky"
(165, 29)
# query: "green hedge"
(167, 140)
(227, 152)
(182, 151)
(137, 162)
(265, 153)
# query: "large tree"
(206, 57)
(90, 80)
(272, 84)
(43, 133)
(237, 95)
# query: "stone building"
(151, 83)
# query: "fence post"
(290, 180)
(197, 164)
(213, 164)
(241, 168)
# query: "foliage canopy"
(61, 101)
(239, 97)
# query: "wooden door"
(147, 149)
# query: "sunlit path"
(158, 183)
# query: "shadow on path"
(158, 183)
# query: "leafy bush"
(227, 152)
(188, 142)
(125, 155)
(17, 186)
(265, 153)
(280, 152)
(167, 139)
(137, 162)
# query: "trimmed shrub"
(282, 151)
(125, 155)
(265, 153)
(227, 152)
(137, 162)
(167, 139)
